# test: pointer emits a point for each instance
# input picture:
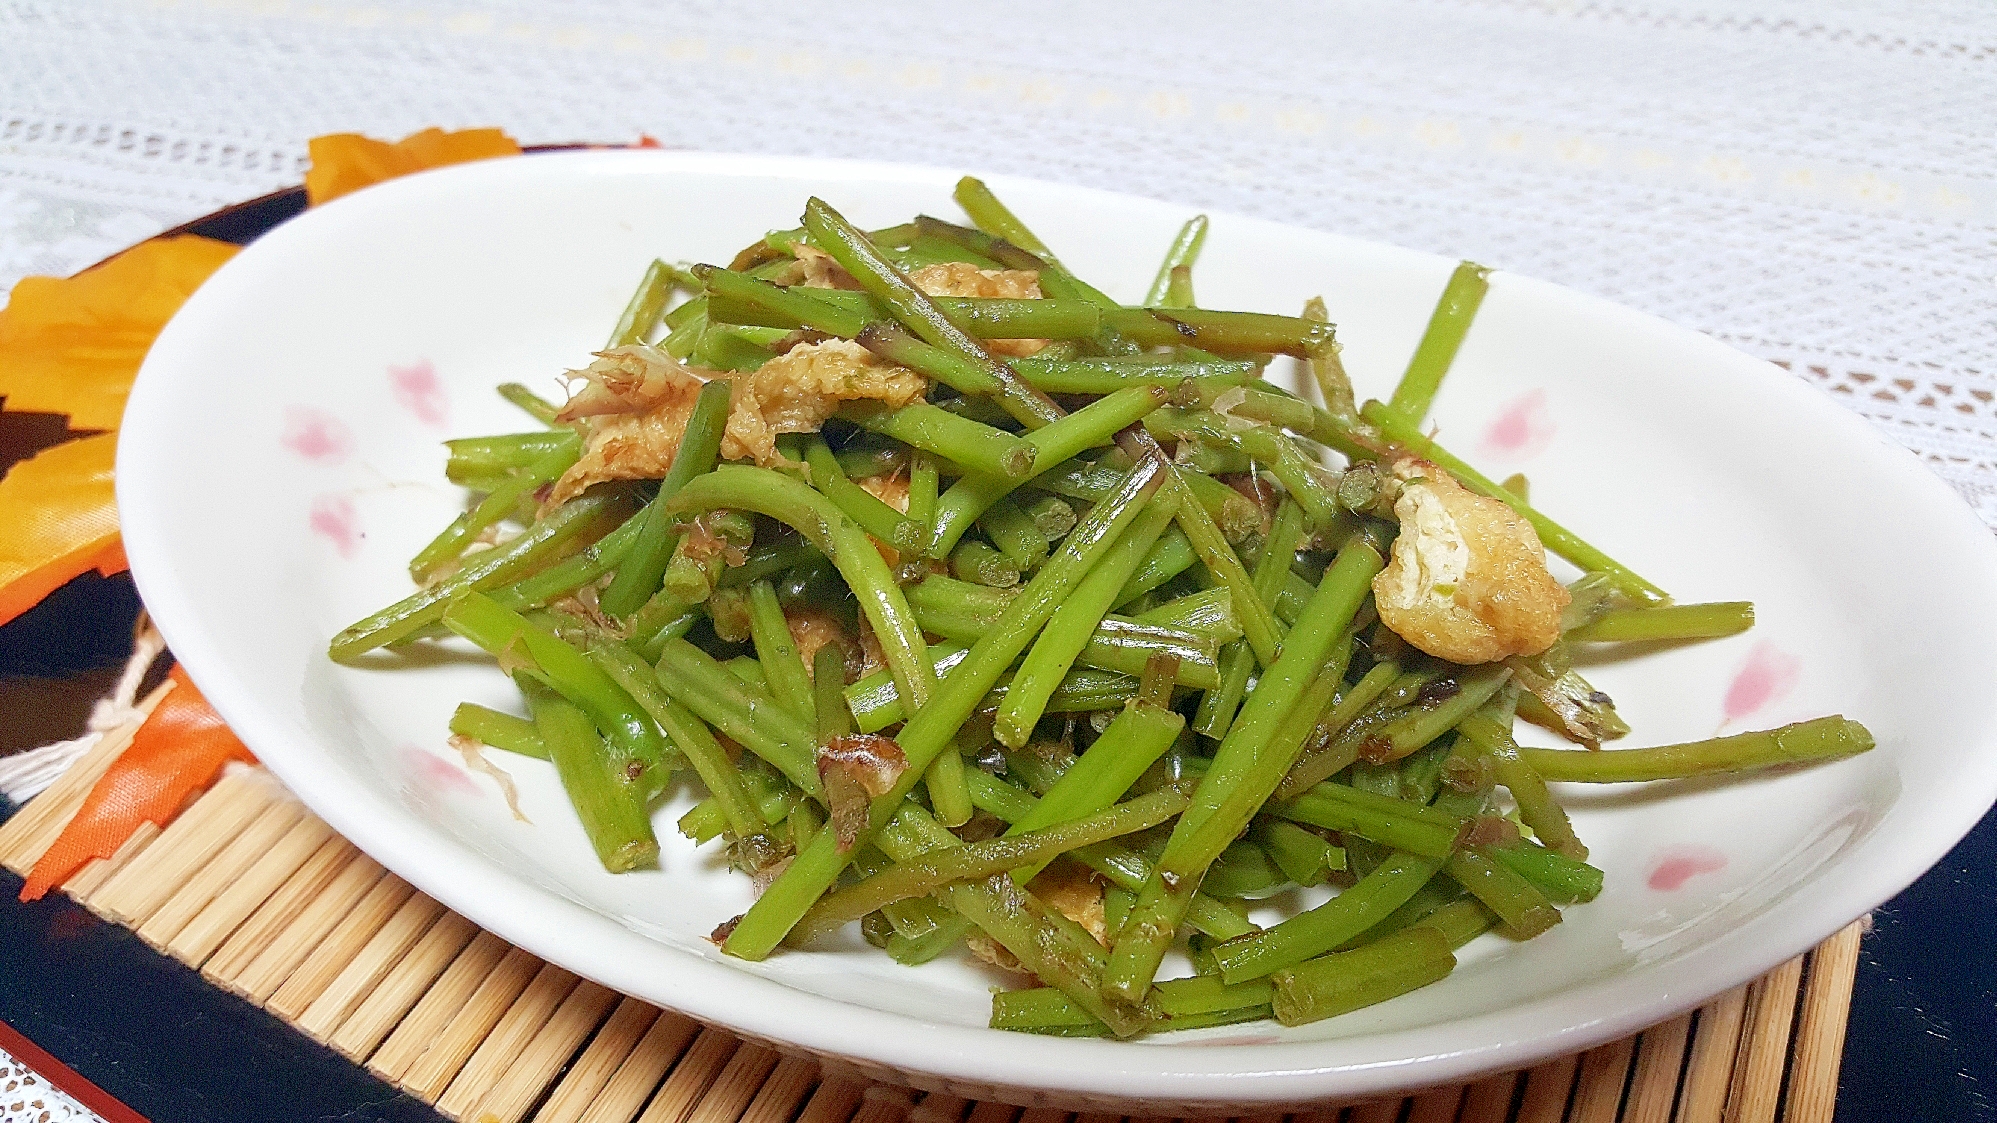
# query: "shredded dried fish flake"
(472, 750)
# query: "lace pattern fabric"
(26, 1096)
(1813, 183)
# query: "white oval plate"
(279, 463)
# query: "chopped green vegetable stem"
(1092, 426)
(1351, 980)
(444, 549)
(1447, 325)
(647, 306)
(700, 445)
(932, 726)
(837, 537)
(1019, 850)
(505, 634)
(1668, 622)
(746, 713)
(501, 731)
(1316, 931)
(1072, 624)
(915, 311)
(783, 668)
(687, 733)
(535, 406)
(1824, 738)
(1185, 250)
(1242, 764)
(1524, 909)
(612, 814)
(873, 515)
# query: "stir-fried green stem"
(1184, 250)
(910, 306)
(933, 725)
(501, 731)
(1667, 622)
(502, 501)
(1537, 807)
(1824, 738)
(528, 649)
(485, 457)
(1136, 738)
(647, 306)
(638, 577)
(837, 537)
(1561, 878)
(534, 405)
(1072, 625)
(685, 730)
(1124, 868)
(874, 516)
(1325, 927)
(746, 713)
(1020, 850)
(612, 813)
(1107, 374)
(783, 668)
(1381, 818)
(1350, 980)
(949, 795)
(973, 444)
(1092, 426)
(1014, 534)
(1258, 624)
(1524, 909)
(1447, 326)
(1244, 773)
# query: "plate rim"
(469, 884)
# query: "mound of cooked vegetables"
(1002, 618)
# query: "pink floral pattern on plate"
(1766, 677)
(316, 435)
(334, 518)
(1522, 429)
(419, 390)
(438, 774)
(1676, 865)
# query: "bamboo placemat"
(266, 901)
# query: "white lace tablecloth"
(27, 1096)
(1812, 182)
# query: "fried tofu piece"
(960, 278)
(812, 628)
(635, 401)
(890, 488)
(816, 269)
(796, 391)
(1074, 891)
(1468, 580)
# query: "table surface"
(1813, 183)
